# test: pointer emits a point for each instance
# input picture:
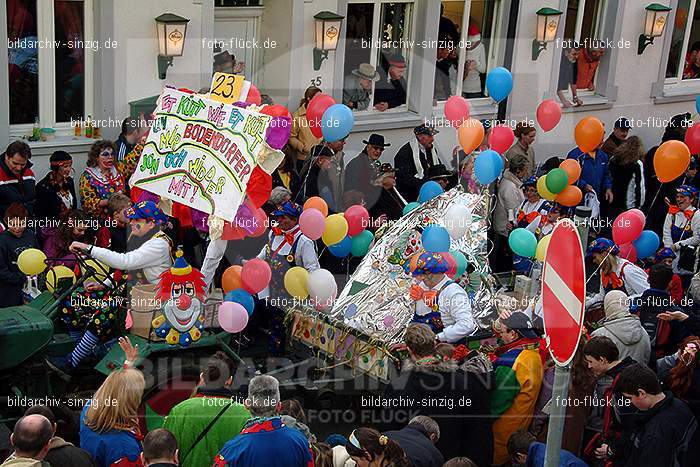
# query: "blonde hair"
(609, 263)
(115, 403)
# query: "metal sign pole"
(557, 415)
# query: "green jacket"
(190, 417)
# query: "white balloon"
(322, 288)
(457, 220)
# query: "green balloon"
(410, 207)
(523, 242)
(461, 262)
(361, 243)
(557, 179)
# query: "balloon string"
(656, 195)
(599, 266)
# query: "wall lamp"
(654, 25)
(171, 40)
(547, 26)
(327, 30)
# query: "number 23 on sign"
(226, 87)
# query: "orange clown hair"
(167, 279)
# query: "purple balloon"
(278, 132)
(242, 104)
(148, 196)
(233, 317)
(245, 218)
(200, 220)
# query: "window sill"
(678, 92)
(479, 107)
(66, 143)
(374, 121)
(590, 102)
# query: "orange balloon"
(569, 196)
(671, 160)
(589, 134)
(231, 278)
(572, 169)
(470, 134)
(316, 202)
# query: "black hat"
(520, 323)
(437, 171)
(425, 129)
(622, 123)
(322, 151)
(376, 140)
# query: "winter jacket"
(518, 150)
(594, 171)
(624, 413)
(64, 454)
(17, 188)
(627, 186)
(360, 176)
(664, 336)
(410, 173)
(510, 196)
(24, 462)
(536, 456)
(48, 204)
(391, 91)
(113, 448)
(417, 446)
(12, 280)
(354, 95)
(292, 422)
(301, 139)
(629, 336)
(190, 417)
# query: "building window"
(584, 20)
(684, 54)
(378, 45)
(50, 61)
(465, 47)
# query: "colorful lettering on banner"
(201, 152)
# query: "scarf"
(429, 297)
(612, 280)
(688, 213)
(289, 236)
(524, 343)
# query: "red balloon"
(260, 222)
(259, 186)
(692, 138)
(548, 114)
(452, 271)
(276, 110)
(628, 252)
(501, 138)
(358, 219)
(628, 226)
(314, 112)
(256, 275)
(253, 96)
(456, 110)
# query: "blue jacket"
(112, 448)
(594, 172)
(535, 457)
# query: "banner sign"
(200, 152)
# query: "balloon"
(233, 317)
(548, 114)
(336, 229)
(312, 223)
(253, 96)
(296, 281)
(461, 262)
(260, 223)
(572, 169)
(470, 134)
(429, 190)
(361, 243)
(452, 270)
(314, 112)
(456, 110)
(523, 242)
(570, 196)
(276, 110)
(589, 133)
(316, 202)
(56, 274)
(389, 321)
(627, 228)
(259, 186)
(697, 104)
(358, 219)
(692, 138)
(557, 180)
(457, 220)
(322, 287)
(337, 122)
(242, 297)
(628, 252)
(542, 189)
(436, 239)
(278, 132)
(488, 166)
(542, 246)
(255, 275)
(499, 83)
(31, 262)
(639, 214)
(501, 138)
(671, 160)
(342, 248)
(101, 270)
(410, 207)
(647, 244)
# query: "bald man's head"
(31, 436)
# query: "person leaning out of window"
(358, 86)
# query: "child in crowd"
(113, 235)
(15, 239)
(73, 227)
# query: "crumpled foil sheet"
(376, 299)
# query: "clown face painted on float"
(181, 291)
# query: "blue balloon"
(429, 190)
(410, 207)
(342, 248)
(647, 244)
(242, 297)
(488, 166)
(435, 239)
(337, 122)
(697, 104)
(499, 83)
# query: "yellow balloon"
(55, 274)
(336, 229)
(295, 281)
(542, 246)
(101, 269)
(542, 189)
(31, 262)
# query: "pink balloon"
(457, 110)
(358, 219)
(639, 214)
(548, 114)
(628, 226)
(501, 138)
(452, 263)
(389, 321)
(233, 317)
(312, 223)
(628, 252)
(260, 223)
(692, 138)
(255, 275)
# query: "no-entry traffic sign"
(563, 292)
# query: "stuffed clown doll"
(181, 291)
